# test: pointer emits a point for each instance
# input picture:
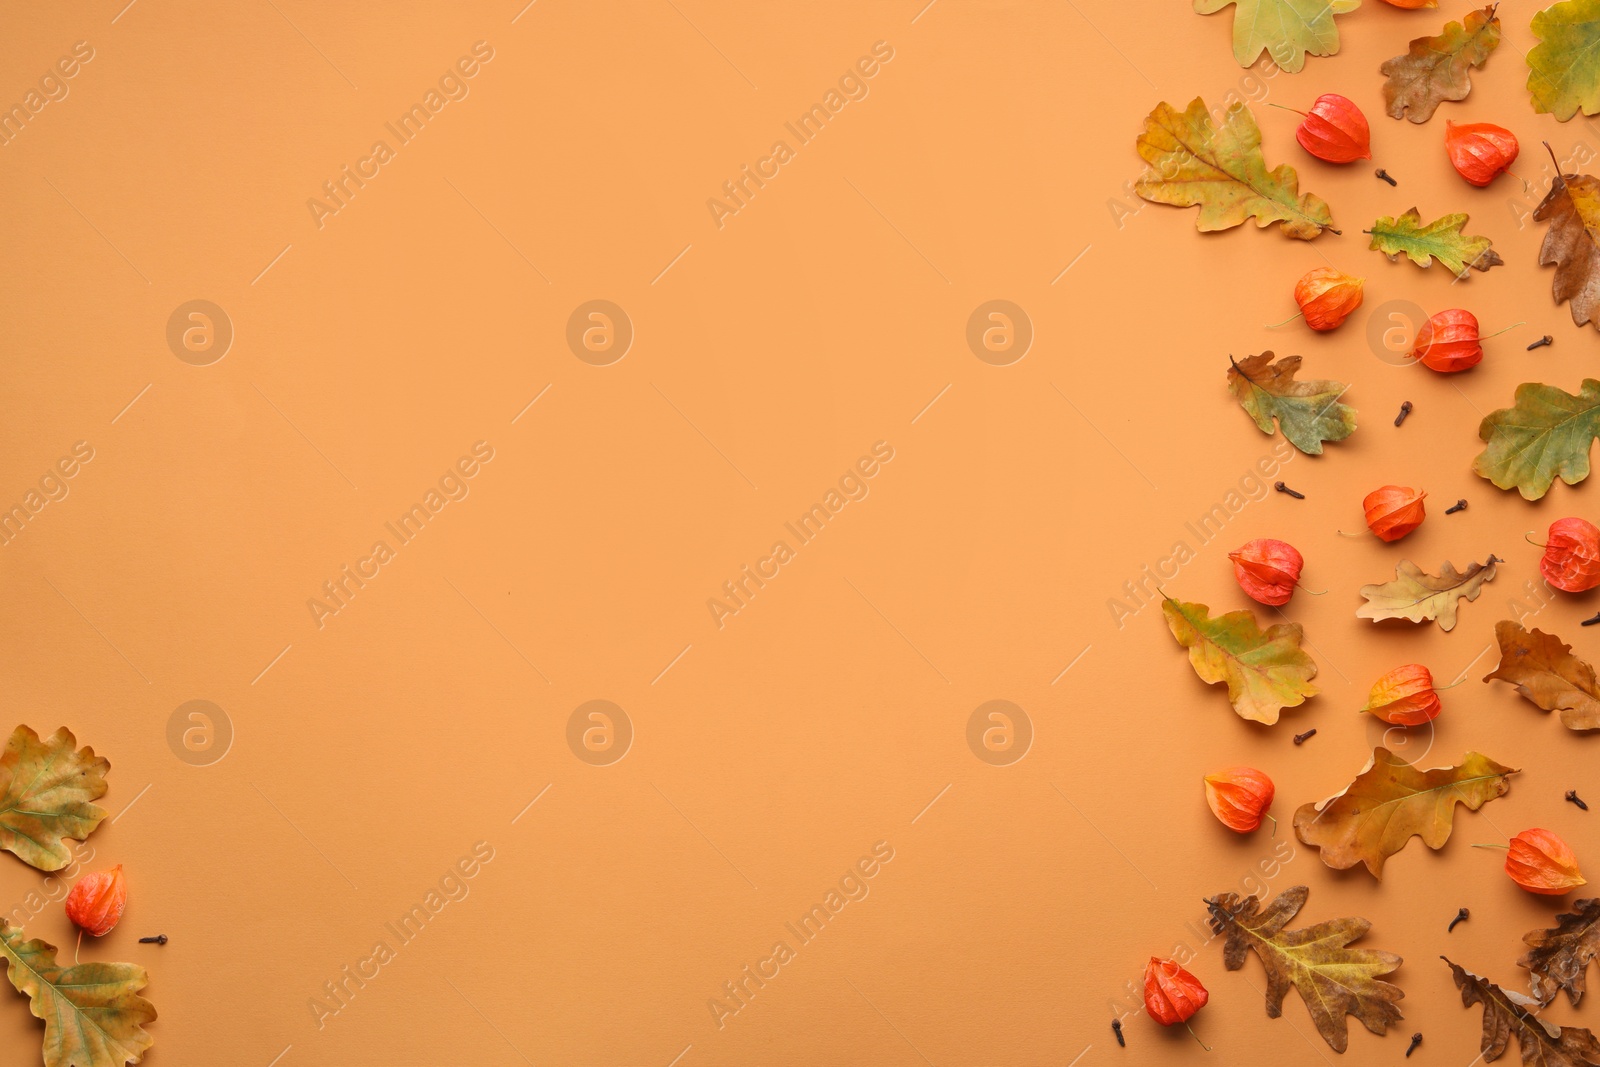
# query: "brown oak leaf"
(1334, 980)
(1548, 675)
(1390, 802)
(1559, 956)
(1505, 1013)
(1572, 208)
(1439, 68)
(1418, 597)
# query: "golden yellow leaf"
(45, 792)
(1265, 672)
(93, 1015)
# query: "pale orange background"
(991, 153)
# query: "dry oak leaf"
(1265, 672)
(1548, 675)
(1334, 980)
(1545, 434)
(93, 1015)
(1505, 1013)
(1440, 239)
(1572, 244)
(1192, 161)
(1558, 958)
(1418, 597)
(1308, 413)
(1390, 802)
(1284, 29)
(1564, 67)
(1439, 68)
(46, 789)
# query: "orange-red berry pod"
(1412, 4)
(1267, 570)
(96, 902)
(1335, 130)
(1327, 297)
(1171, 994)
(1404, 696)
(1239, 797)
(1541, 862)
(1449, 342)
(1571, 560)
(1480, 151)
(1394, 511)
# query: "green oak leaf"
(1284, 29)
(1440, 239)
(1564, 67)
(1308, 413)
(46, 789)
(1266, 672)
(1545, 434)
(93, 1015)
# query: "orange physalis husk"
(1480, 150)
(1327, 297)
(1172, 995)
(1267, 570)
(1571, 560)
(1239, 797)
(1335, 130)
(1394, 511)
(1449, 342)
(1541, 862)
(1405, 696)
(96, 902)
(1412, 4)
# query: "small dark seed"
(1416, 1039)
(1460, 505)
(1592, 621)
(1461, 917)
(1116, 1028)
(1541, 342)
(1301, 739)
(1405, 409)
(159, 939)
(1572, 795)
(1280, 487)
(1384, 176)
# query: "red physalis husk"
(1449, 342)
(1171, 994)
(1327, 297)
(1541, 862)
(1267, 570)
(1404, 696)
(1412, 4)
(1335, 130)
(1571, 560)
(1239, 797)
(96, 902)
(1394, 511)
(1480, 151)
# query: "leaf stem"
(1506, 847)
(1287, 321)
(1497, 333)
(1196, 1036)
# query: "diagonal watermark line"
(1107, 840)
(890, 1021)
(1103, 436)
(674, 263)
(931, 803)
(302, 833)
(897, 630)
(499, 231)
(1071, 665)
(271, 665)
(304, 438)
(530, 804)
(530, 404)
(274, 263)
(1069, 266)
(523, 12)
(286, 1048)
(704, 438)
(486, 1019)
(714, 48)
(930, 404)
(97, 230)
(118, 15)
(671, 665)
(703, 837)
(130, 404)
(923, 12)
(97, 630)
(497, 630)
(899, 231)
(1108, 41)
(132, 802)
(680, 1055)
(1080, 1055)
(314, 47)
